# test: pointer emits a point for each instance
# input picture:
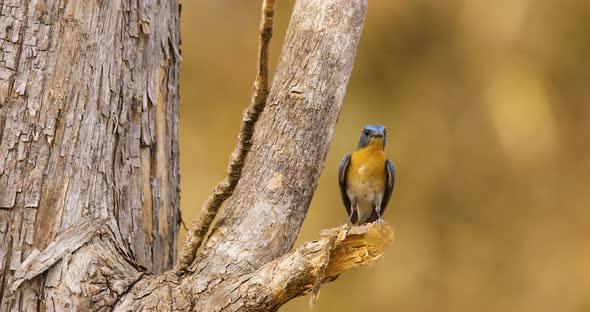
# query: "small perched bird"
(367, 177)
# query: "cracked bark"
(89, 163)
(89, 118)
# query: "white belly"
(366, 198)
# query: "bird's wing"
(389, 185)
(342, 181)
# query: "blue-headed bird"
(367, 177)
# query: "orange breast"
(367, 165)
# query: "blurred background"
(487, 106)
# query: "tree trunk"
(89, 123)
(89, 163)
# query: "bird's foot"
(380, 221)
(349, 222)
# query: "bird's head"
(373, 135)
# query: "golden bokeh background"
(487, 106)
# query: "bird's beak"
(379, 134)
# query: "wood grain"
(89, 124)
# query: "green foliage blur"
(487, 106)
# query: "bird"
(366, 178)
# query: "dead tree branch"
(295, 273)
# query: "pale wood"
(295, 274)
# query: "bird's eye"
(366, 132)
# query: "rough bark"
(89, 163)
(88, 124)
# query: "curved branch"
(296, 273)
(225, 188)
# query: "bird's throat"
(375, 145)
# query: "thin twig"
(223, 190)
